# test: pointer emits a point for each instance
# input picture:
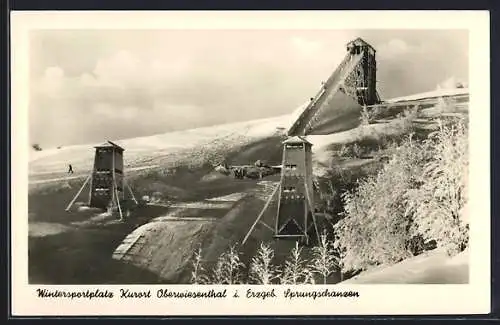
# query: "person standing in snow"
(70, 169)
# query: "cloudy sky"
(88, 86)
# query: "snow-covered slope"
(195, 143)
(434, 267)
(146, 150)
(431, 94)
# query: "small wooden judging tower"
(295, 216)
(107, 179)
(106, 189)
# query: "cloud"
(305, 47)
(108, 111)
(124, 70)
(451, 83)
(136, 83)
(167, 91)
(134, 96)
(52, 81)
(118, 93)
(396, 48)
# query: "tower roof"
(296, 139)
(360, 42)
(109, 144)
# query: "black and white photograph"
(240, 156)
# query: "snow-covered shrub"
(228, 269)
(344, 151)
(357, 151)
(36, 147)
(376, 226)
(405, 122)
(365, 117)
(352, 150)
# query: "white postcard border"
(374, 299)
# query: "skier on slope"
(70, 169)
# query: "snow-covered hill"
(170, 146)
(195, 144)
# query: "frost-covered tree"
(438, 203)
(228, 269)
(262, 271)
(198, 274)
(420, 192)
(376, 223)
(324, 261)
(295, 270)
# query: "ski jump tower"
(336, 107)
(107, 181)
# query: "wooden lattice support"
(131, 193)
(117, 198)
(261, 214)
(78, 194)
(312, 213)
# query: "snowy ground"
(198, 218)
(152, 151)
(184, 146)
(433, 267)
(431, 94)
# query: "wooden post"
(312, 213)
(306, 184)
(305, 221)
(279, 195)
(132, 193)
(78, 194)
(91, 183)
(261, 213)
(118, 201)
(114, 195)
